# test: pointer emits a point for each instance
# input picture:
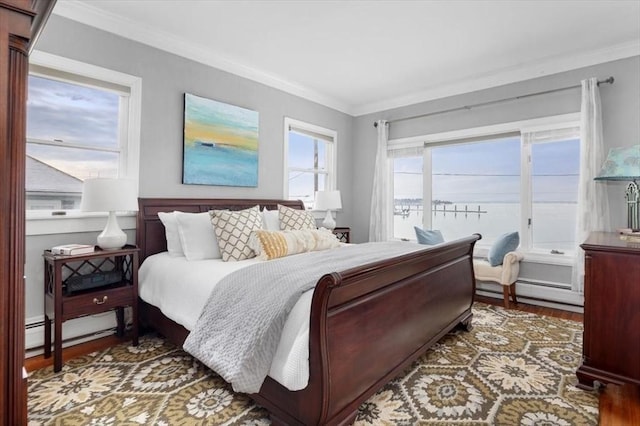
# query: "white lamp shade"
(328, 200)
(108, 195)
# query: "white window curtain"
(593, 204)
(379, 222)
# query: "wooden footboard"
(367, 323)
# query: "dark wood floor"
(619, 405)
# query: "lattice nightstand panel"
(343, 234)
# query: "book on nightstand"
(69, 249)
(630, 238)
(629, 235)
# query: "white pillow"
(197, 236)
(174, 246)
(270, 221)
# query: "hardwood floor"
(619, 405)
(37, 362)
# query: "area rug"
(513, 368)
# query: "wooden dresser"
(611, 347)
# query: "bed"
(366, 323)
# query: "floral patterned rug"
(513, 368)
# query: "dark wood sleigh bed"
(367, 323)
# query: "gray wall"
(165, 79)
(620, 111)
(621, 127)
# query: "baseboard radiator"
(551, 295)
(74, 331)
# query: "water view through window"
(477, 188)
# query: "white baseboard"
(538, 295)
(74, 331)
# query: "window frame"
(39, 222)
(429, 141)
(331, 178)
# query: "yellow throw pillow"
(274, 244)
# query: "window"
(81, 123)
(520, 178)
(554, 163)
(309, 161)
(408, 195)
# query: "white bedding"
(180, 288)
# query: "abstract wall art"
(220, 143)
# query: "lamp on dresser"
(624, 164)
(109, 195)
(328, 200)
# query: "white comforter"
(180, 288)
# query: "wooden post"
(20, 22)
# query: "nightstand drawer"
(97, 301)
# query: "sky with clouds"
(490, 172)
(73, 114)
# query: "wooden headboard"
(150, 236)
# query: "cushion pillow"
(174, 247)
(503, 245)
(270, 221)
(430, 237)
(233, 230)
(292, 219)
(196, 236)
(273, 244)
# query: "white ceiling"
(365, 56)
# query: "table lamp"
(109, 195)
(624, 164)
(328, 200)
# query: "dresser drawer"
(97, 301)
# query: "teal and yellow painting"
(220, 143)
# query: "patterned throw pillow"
(273, 244)
(292, 219)
(233, 230)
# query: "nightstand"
(87, 284)
(343, 234)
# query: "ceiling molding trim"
(92, 16)
(129, 29)
(522, 72)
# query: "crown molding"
(127, 28)
(522, 72)
(124, 27)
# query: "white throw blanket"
(238, 331)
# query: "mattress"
(180, 289)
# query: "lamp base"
(632, 194)
(112, 237)
(328, 221)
